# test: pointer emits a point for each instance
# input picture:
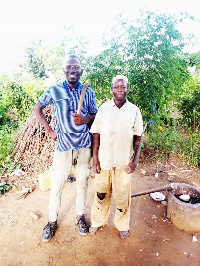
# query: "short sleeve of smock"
(138, 126)
(45, 99)
(95, 128)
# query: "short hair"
(72, 56)
(119, 77)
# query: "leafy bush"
(189, 107)
(149, 51)
(164, 140)
(19, 99)
(8, 135)
(171, 139)
(4, 187)
(3, 114)
(190, 147)
(15, 102)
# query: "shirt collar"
(78, 86)
(113, 103)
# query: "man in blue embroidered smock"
(116, 131)
(72, 141)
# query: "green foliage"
(189, 103)
(15, 106)
(3, 115)
(194, 60)
(77, 46)
(53, 61)
(190, 146)
(14, 103)
(35, 64)
(33, 88)
(100, 72)
(176, 139)
(4, 187)
(155, 64)
(8, 135)
(164, 141)
(149, 52)
(44, 61)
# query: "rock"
(143, 172)
(194, 239)
(34, 216)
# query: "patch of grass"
(176, 139)
(190, 147)
(8, 135)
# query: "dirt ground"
(153, 239)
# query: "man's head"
(120, 87)
(73, 70)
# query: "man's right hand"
(38, 109)
(53, 134)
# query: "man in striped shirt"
(72, 138)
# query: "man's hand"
(79, 119)
(38, 109)
(53, 134)
(130, 167)
(96, 166)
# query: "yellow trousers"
(118, 184)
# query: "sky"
(22, 21)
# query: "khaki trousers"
(60, 170)
(118, 184)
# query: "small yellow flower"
(160, 128)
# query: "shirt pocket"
(63, 114)
(65, 104)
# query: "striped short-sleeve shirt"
(65, 102)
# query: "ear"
(127, 88)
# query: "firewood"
(34, 149)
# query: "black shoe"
(49, 231)
(71, 179)
(82, 226)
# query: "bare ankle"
(93, 230)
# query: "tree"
(15, 102)
(100, 70)
(35, 64)
(149, 51)
(155, 63)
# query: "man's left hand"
(78, 119)
(130, 167)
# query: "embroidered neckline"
(70, 89)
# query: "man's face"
(73, 71)
(120, 89)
